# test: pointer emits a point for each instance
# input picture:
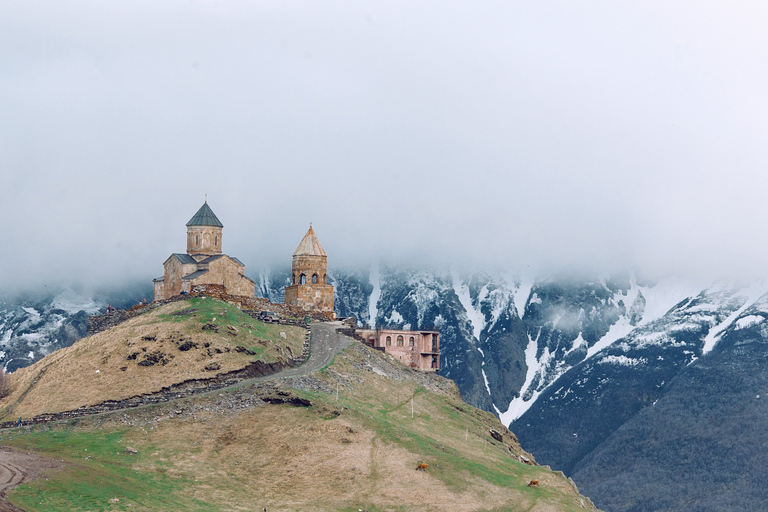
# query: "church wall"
(310, 297)
(226, 272)
(204, 239)
(160, 290)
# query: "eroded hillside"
(182, 341)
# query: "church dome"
(309, 245)
(205, 217)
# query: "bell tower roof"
(309, 245)
(205, 217)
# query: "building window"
(302, 279)
(325, 278)
(434, 343)
(293, 279)
(216, 241)
(314, 278)
(399, 341)
(410, 341)
(389, 340)
(197, 239)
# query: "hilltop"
(348, 436)
(200, 339)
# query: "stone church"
(309, 287)
(203, 263)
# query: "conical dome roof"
(205, 217)
(309, 245)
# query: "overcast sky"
(550, 134)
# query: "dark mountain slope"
(589, 402)
(704, 445)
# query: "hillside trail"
(325, 343)
(18, 467)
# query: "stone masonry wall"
(225, 271)
(204, 240)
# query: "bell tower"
(309, 287)
(204, 233)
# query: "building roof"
(211, 258)
(194, 275)
(184, 258)
(205, 217)
(309, 245)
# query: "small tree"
(5, 383)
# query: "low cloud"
(518, 136)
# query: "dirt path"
(19, 467)
(325, 343)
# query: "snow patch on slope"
(748, 321)
(518, 405)
(664, 295)
(751, 294)
(622, 361)
(521, 295)
(485, 378)
(375, 279)
(475, 316)
(394, 318)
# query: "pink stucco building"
(417, 349)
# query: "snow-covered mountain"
(36, 323)
(671, 417)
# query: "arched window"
(410, 341)
(293, 279)
(399, 341)
(197, 239)
(302, 279)
(216, 241)
(314, 278)
(325, 278)
(389, 340)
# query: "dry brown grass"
(5, 384)
(312, 459)
(97, 368)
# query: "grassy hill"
(371, 422)
(195, 339)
